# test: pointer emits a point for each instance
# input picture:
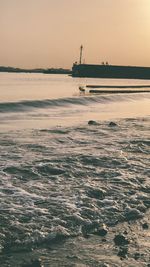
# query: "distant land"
(39, 70)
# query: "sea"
(70, 162)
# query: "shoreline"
(37, 70)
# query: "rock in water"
(123, 251)
(137, 255)
(121, 240)
(33, 263)
(91, 122)
(101, 231)
(112, 124)
(133, 214)
(145, 226)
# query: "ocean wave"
(27, 105)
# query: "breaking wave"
(27, 105)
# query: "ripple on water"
(66, 178)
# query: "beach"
(74, 173)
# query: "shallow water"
(41, 101)
(58, 173)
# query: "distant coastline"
(38, 70)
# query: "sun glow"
(47, 33)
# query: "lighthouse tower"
(81, 49)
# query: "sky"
(49, 33)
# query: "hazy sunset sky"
(48, 33)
